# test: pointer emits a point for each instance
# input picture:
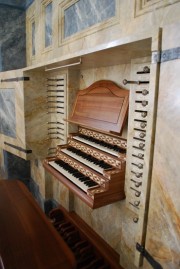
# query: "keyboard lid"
(103, 106)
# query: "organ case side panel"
(163, 232)
(140, 138)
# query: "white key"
(111, 151)
(72, 178)
(84, 161)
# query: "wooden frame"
(103, 106)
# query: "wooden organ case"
(92, 163)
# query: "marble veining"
(18, 4)
(13, 39)
(0, 59)
(7, 112)
(144, 6)
(48, 25)
(86, 13)
(33, 38)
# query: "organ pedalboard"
(89, 249)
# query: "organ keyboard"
(92, 163)
(104, 146)
(74, 175)
(98, 165)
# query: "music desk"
(27, 238)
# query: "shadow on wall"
(18, 168)
(2, 173)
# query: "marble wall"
(48, 25)
(7, 112)
(126, 25)
(13, 39)
(121, 26)
(13, 56)
(85, 13)
(33, 27)
(16, 168)
(0, 59)
(163, 229)
(18, 4)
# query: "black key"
(84, 179)
(90, 158)
(78, 174)
(92, 183)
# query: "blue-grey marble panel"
(48, 25)
(86, 13)
(19, 4)
(12, 38)
(7, 112)
(33, 38)
(0, 60)
(27, 3)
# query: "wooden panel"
(27, 238)
(103, 106)
(140, 146)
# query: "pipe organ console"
(92, 163)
